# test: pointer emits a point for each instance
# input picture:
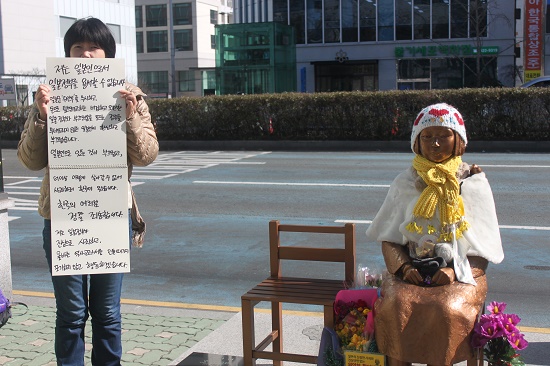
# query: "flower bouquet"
(367, 278)
(352, 339)
(499, 337)
(351, 325)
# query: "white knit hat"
(440, 114)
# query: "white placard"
(88, 166)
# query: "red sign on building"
(533, 61)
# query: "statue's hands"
(444, 276)
(475, 169)
(411, 274)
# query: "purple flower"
(512, 319)
(497, 334)
(489, 327)
(496, 307)
(517, 341)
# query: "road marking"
(354, 221)
(176, 305)
(235, 309)
(544, 228)
(165, 166)
(295, 184)
(515, 166)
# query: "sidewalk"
(160, 335)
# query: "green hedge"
(518, 114)
(490, 114)
(12, 120)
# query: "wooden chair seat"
(296, 290)
(278, 289)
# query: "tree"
(27, 82)
(482, 14)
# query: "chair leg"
(277, 324)
(249, 343)
(477, 359)
(328, 320)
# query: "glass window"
(413, 69)
(332, 21)
(421, 11)
(314, 21)
(440, 18)
(209, 79)
(478, 18)
(139, 42)
(182, 14)
(459, 19)
(447, 73)
(115, 30)
(213, 41)
(297, 20)
(346, 77)
(213, 17)
(367, 20)
(183, 39)
(139, 16)
(349, 21)
(157, 41)
(156, 15)
(486, 78)
(155, 81)
(385, 20)
(65, 23)
(280, 11)
(403, 19)
(186, 80)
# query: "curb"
(337, 145)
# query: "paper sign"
(88, 166)
(364, 359)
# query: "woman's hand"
(131, 102)
(444, 276)
(42, 99)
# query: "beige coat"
(32, 150)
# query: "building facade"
(404, 44)
(31, 31)
(176, 45)
(255, 58)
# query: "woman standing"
(97, 295)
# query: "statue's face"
(437, 143)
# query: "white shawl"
(481, 239)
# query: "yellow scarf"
(443, 192)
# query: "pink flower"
(517, 341)
(512, 319)
(496, 307)
(489, 327)
(497, 334)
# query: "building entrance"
(347, 76)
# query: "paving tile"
(5, 359)
(28, 338)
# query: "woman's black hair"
(90, 30)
